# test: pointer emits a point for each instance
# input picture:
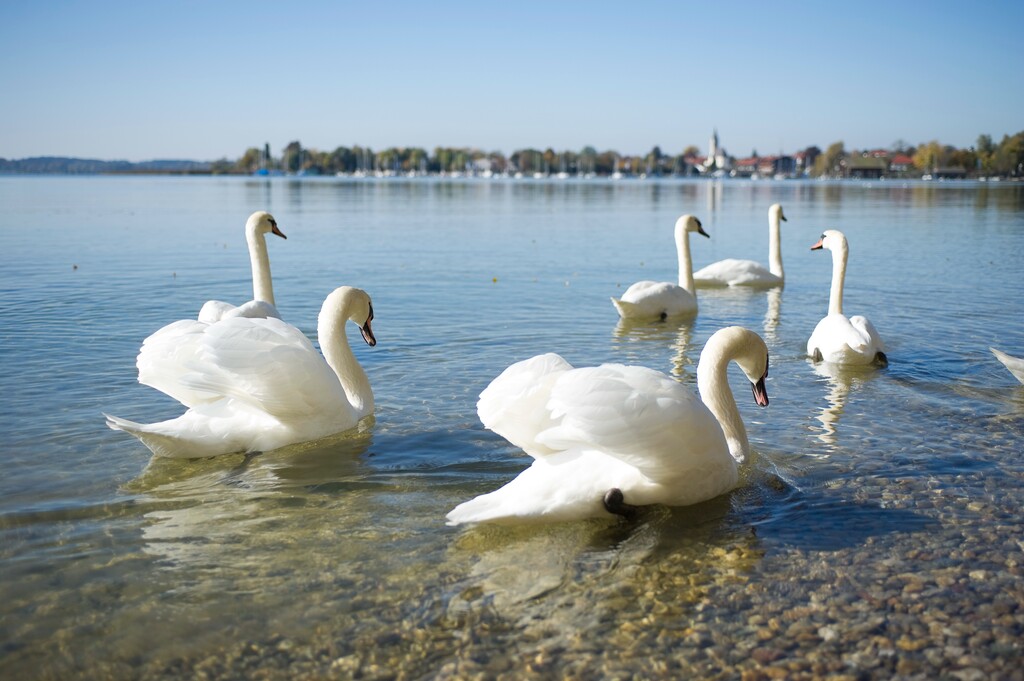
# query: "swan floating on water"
(734, 272)
(653, 300)
(607, 439)
(262, 305)
(1014, 364)
(837, 338)
(254, 385)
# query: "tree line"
(985, 158)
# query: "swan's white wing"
(637, 415)
(164, 358)
(265, 363)
(514, 405)
(1014, 364)
(734, 272)
(866, 330)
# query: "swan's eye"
(822, 236)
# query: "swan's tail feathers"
(624, 308)
(1014, 364)
(484, 508)
(158, 443)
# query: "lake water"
(877, 531)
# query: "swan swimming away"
(734, 272)
(262, 305)
(607, 439)
(1014, 364)
(837, 338)
(253, 385)
(652, 300)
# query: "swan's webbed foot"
(881, 360)
(614, 503)
(816, 356)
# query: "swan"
(1014, 364)
(733, 272)
(609, 438)
(837, 338)
(262, 305)
(649, 300)
(255, 384)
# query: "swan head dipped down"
(347, 303)
(261, 222)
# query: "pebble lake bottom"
(876, 532)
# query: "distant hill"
(58, 165)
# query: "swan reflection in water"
(216, 511)
(842, 380)
(772, 314)
(635, 338)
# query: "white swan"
(733, 272)
(262, 305)
(837, 338)
(606, 439)
(1014, 364)
(255, 384)
(649, 300)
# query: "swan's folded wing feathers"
(164, 358)
(514, 405)
(867, 330)
(266, 363)
(634, 414)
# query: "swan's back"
(216, 310)
(845, 340)
(735, 272)
(640, 416)
(655, 300)
(265, 364)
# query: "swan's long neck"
(713, 384)
(835, 296)
(334, 344)
(685, 264)
(262, 288)
(775, 246)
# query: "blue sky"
(204, 80)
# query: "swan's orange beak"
(819, 244)
(275, 230)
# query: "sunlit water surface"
(876, 531)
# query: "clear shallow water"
(876, 532)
